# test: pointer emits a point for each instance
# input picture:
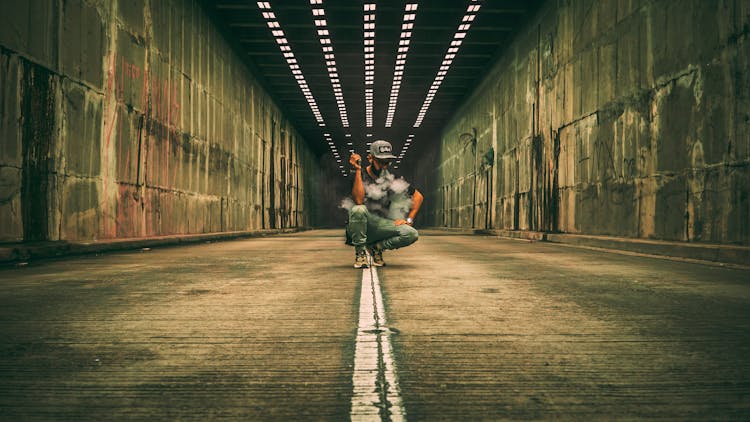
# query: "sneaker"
(377, 255)
(360, 259)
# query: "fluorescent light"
(264, 5)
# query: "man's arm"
(358, 188)
(416, 203)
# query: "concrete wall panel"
(617, 117)
(136, 118)
(82, 42)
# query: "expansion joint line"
(376, 394)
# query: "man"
(385, 207)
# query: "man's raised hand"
(355, 160)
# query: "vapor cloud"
(386, 185)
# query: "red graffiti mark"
(159, 101)
(110, 122)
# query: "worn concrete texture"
(483, 329)
(618, 117)
(135, 118)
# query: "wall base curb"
(23, 252)
(710, 252)
(729, 254)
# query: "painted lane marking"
(376, 393)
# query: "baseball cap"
(381, 149)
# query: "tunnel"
(546, 202)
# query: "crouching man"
(384, 210)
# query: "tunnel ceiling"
(311, 55)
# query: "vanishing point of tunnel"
(374, 210)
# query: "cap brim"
(382, 156)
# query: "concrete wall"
(128, 118)
(613, 117)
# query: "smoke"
(346, 203)
(388, 196)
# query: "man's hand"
(400, 222)
(356, 161)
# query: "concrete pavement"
(266, 328)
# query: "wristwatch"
(409, 221)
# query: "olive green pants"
(365, 228)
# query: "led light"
(464, 27)
(369, 7)
(264, 5)
(410, 17)
(269, 15)
(318, 12)
(323, 32)
(407, 26)
(411, 7)
(277, 33)
(273, 24)
(469, 18)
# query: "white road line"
(376, 393)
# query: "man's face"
(380, 162)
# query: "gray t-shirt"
(386, 194)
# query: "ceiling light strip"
(321, 26)
(335, 152)
(403, 48)
(404, 149)
(369, 36)
(286, 51)
(471, 12)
